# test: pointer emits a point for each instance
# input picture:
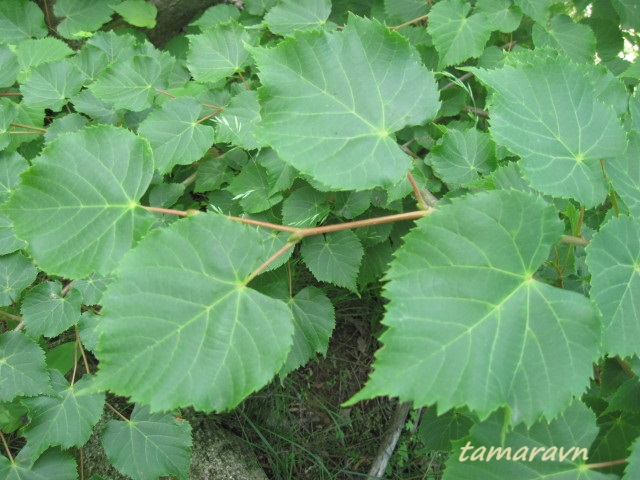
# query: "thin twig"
(410, 22)
(165, 93)
(416, 191)
(67, 288)
(10, 94)
(6, 447)
(29, 127)
(305, 232)
(190, 179)
(259, 223)
(168, 211)
(606, 464)
(114, 410)
(10, 316)
(82, 352)
(460, 79)
(271, 259)
(571, 240)
(246, 85)
(477, 111)
(390, 440)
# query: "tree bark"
(174, 15)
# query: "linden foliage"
(519, 116)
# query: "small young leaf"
(46, 312)
(130, 84)
(457, 35)
(22, 368)
(500, 14)
(462, 155)
(11, 166)
(558, 449)
(437, 432)
(333, 119)
(34, 52)
(547, 113)
(218, 53)
(51, 85)
(149, 445)
(305, 207)
(202, 337)
(19, 20)
(81, 16)
(613, 257)
(291, 15)
(212, 16)
(66, 198)
(251, 188)
(10, 66)
(51, 465)
(73, 122)
(16, 273)
(624, 173)
(334, 257)
(314, 321)
(236, 124)
(175, 135)
(139, 13)
(575, 40)
(66, 418)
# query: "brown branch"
(6, 447)
(606, 464)
(476, 111)
(571, 240)
(114, 410)
(460, 79)
(410, 22)
(390, 440)
(271, 259)
(416, 191)
(168, 211)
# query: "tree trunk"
(174, 15)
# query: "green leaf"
(251, 187)
(9, 243)
(314, 321)
(16, 273)
(11, 166)
(333, 119)
(468, 324)
(73, 122)
(616, 436)
(62, 357)
(51, 85)
(202, 337)
(237, 122)
(217, 14)
(624, 173)
(165, 194)
(437, 432)
(130, 84)
(34, 52)
(47, 312)
(305, 207)
(633, 468)
(88, 329)
(137, 12)
(281, 175)
(500, 14)
(116, 46)
(22, 368)
(375, 262)
(629, 12)
(92, 288)
(557, 449)
(10, 66)
(546, 113)
(218, 53)
(405, 10)
(66, 198)
(575, 40)
(20, 19)
(258, 7)
(289, 16)
(457, 35)
(175, 135)
(461, 156)
(80, 16)
(66, 418)
(149, 445)
(52, 465)
(8, 112)
(334, 257)
(102, 112)
(613, 257)
(538, 10)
